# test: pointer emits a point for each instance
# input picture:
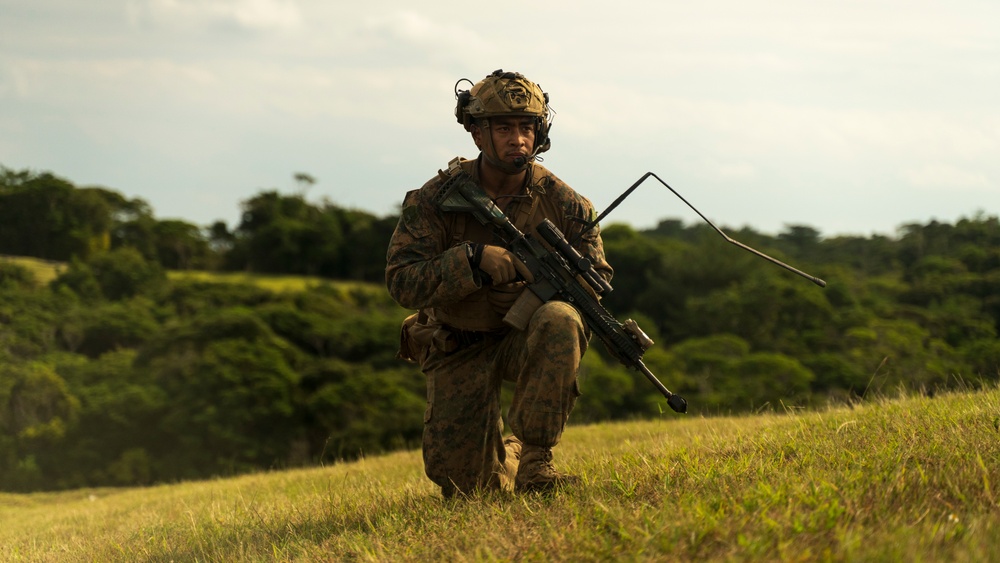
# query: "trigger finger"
(523, 270)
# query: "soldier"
(457, 273)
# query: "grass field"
(43, 270)
(47, 270)
(274, 283)
(895, 480)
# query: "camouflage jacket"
(426, 264)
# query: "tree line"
(117, 374)
(45, 216)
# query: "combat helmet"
(507, 94)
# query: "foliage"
(122, 364)
(15, 276)
(44, 216)
(286, 234)
(115, 275)
(194, 378)
(47, 217)
(36, 408)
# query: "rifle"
(557, 275)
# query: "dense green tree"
(117, 423)
(286, 234)
(118, 274)
(773, 312)
(30, 319)
(799, 240)
(220, 239)
(107, 327)
(901, 353)
(363, 257)
(983, 358)
(13, 276)
(47, 217)
(357, 410)
(36, 408)
(181, 246)
(770, 378)
(872, 255)
(189, 297)
(606, 390)
(232, 384)
(637, 261)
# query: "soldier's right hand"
(499, 264)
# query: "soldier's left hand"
(502, 297)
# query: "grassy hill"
(43, 270)
(276, 283)
(47, 270)
(905, 479)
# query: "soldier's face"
(512, 137)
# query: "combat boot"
(536, 472)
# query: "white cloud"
(812, 100)
(82, 85)
(412, 27)
(263, 15)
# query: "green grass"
(906, 479)
(47, 270)
(43, 270)
(275, 283)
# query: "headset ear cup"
(543, 142)
(464, 97)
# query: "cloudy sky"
(853, 117)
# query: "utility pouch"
(415, 337)
(406, 345)
(521, 311)
(444, 340)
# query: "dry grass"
(276, 283)
(47, 270)
(912, 478)
(43, 270)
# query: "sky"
(851, 117)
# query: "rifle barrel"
(676, 402)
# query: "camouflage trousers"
(463, 429)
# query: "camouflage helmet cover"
(501, 93)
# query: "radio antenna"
(591, 224)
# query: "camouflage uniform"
(461, 343)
